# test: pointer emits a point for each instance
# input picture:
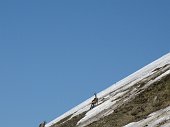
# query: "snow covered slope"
(159, 118)
(119, 94)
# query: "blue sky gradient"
(55, 54)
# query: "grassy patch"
(155, 97)
(61, 121)
(69, 123)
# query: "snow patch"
(119, 89)
(155, 119)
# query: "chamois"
(42, 124)
(94, 101)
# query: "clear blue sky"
(55, 54)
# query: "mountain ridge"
(117, 95)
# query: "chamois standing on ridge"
(42, 124)
(94, 101)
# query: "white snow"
(157, 79)
(111, 94)
(153, 120)
(91, 115)
(95, 111)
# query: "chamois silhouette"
(94, 101)
(42, 124)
